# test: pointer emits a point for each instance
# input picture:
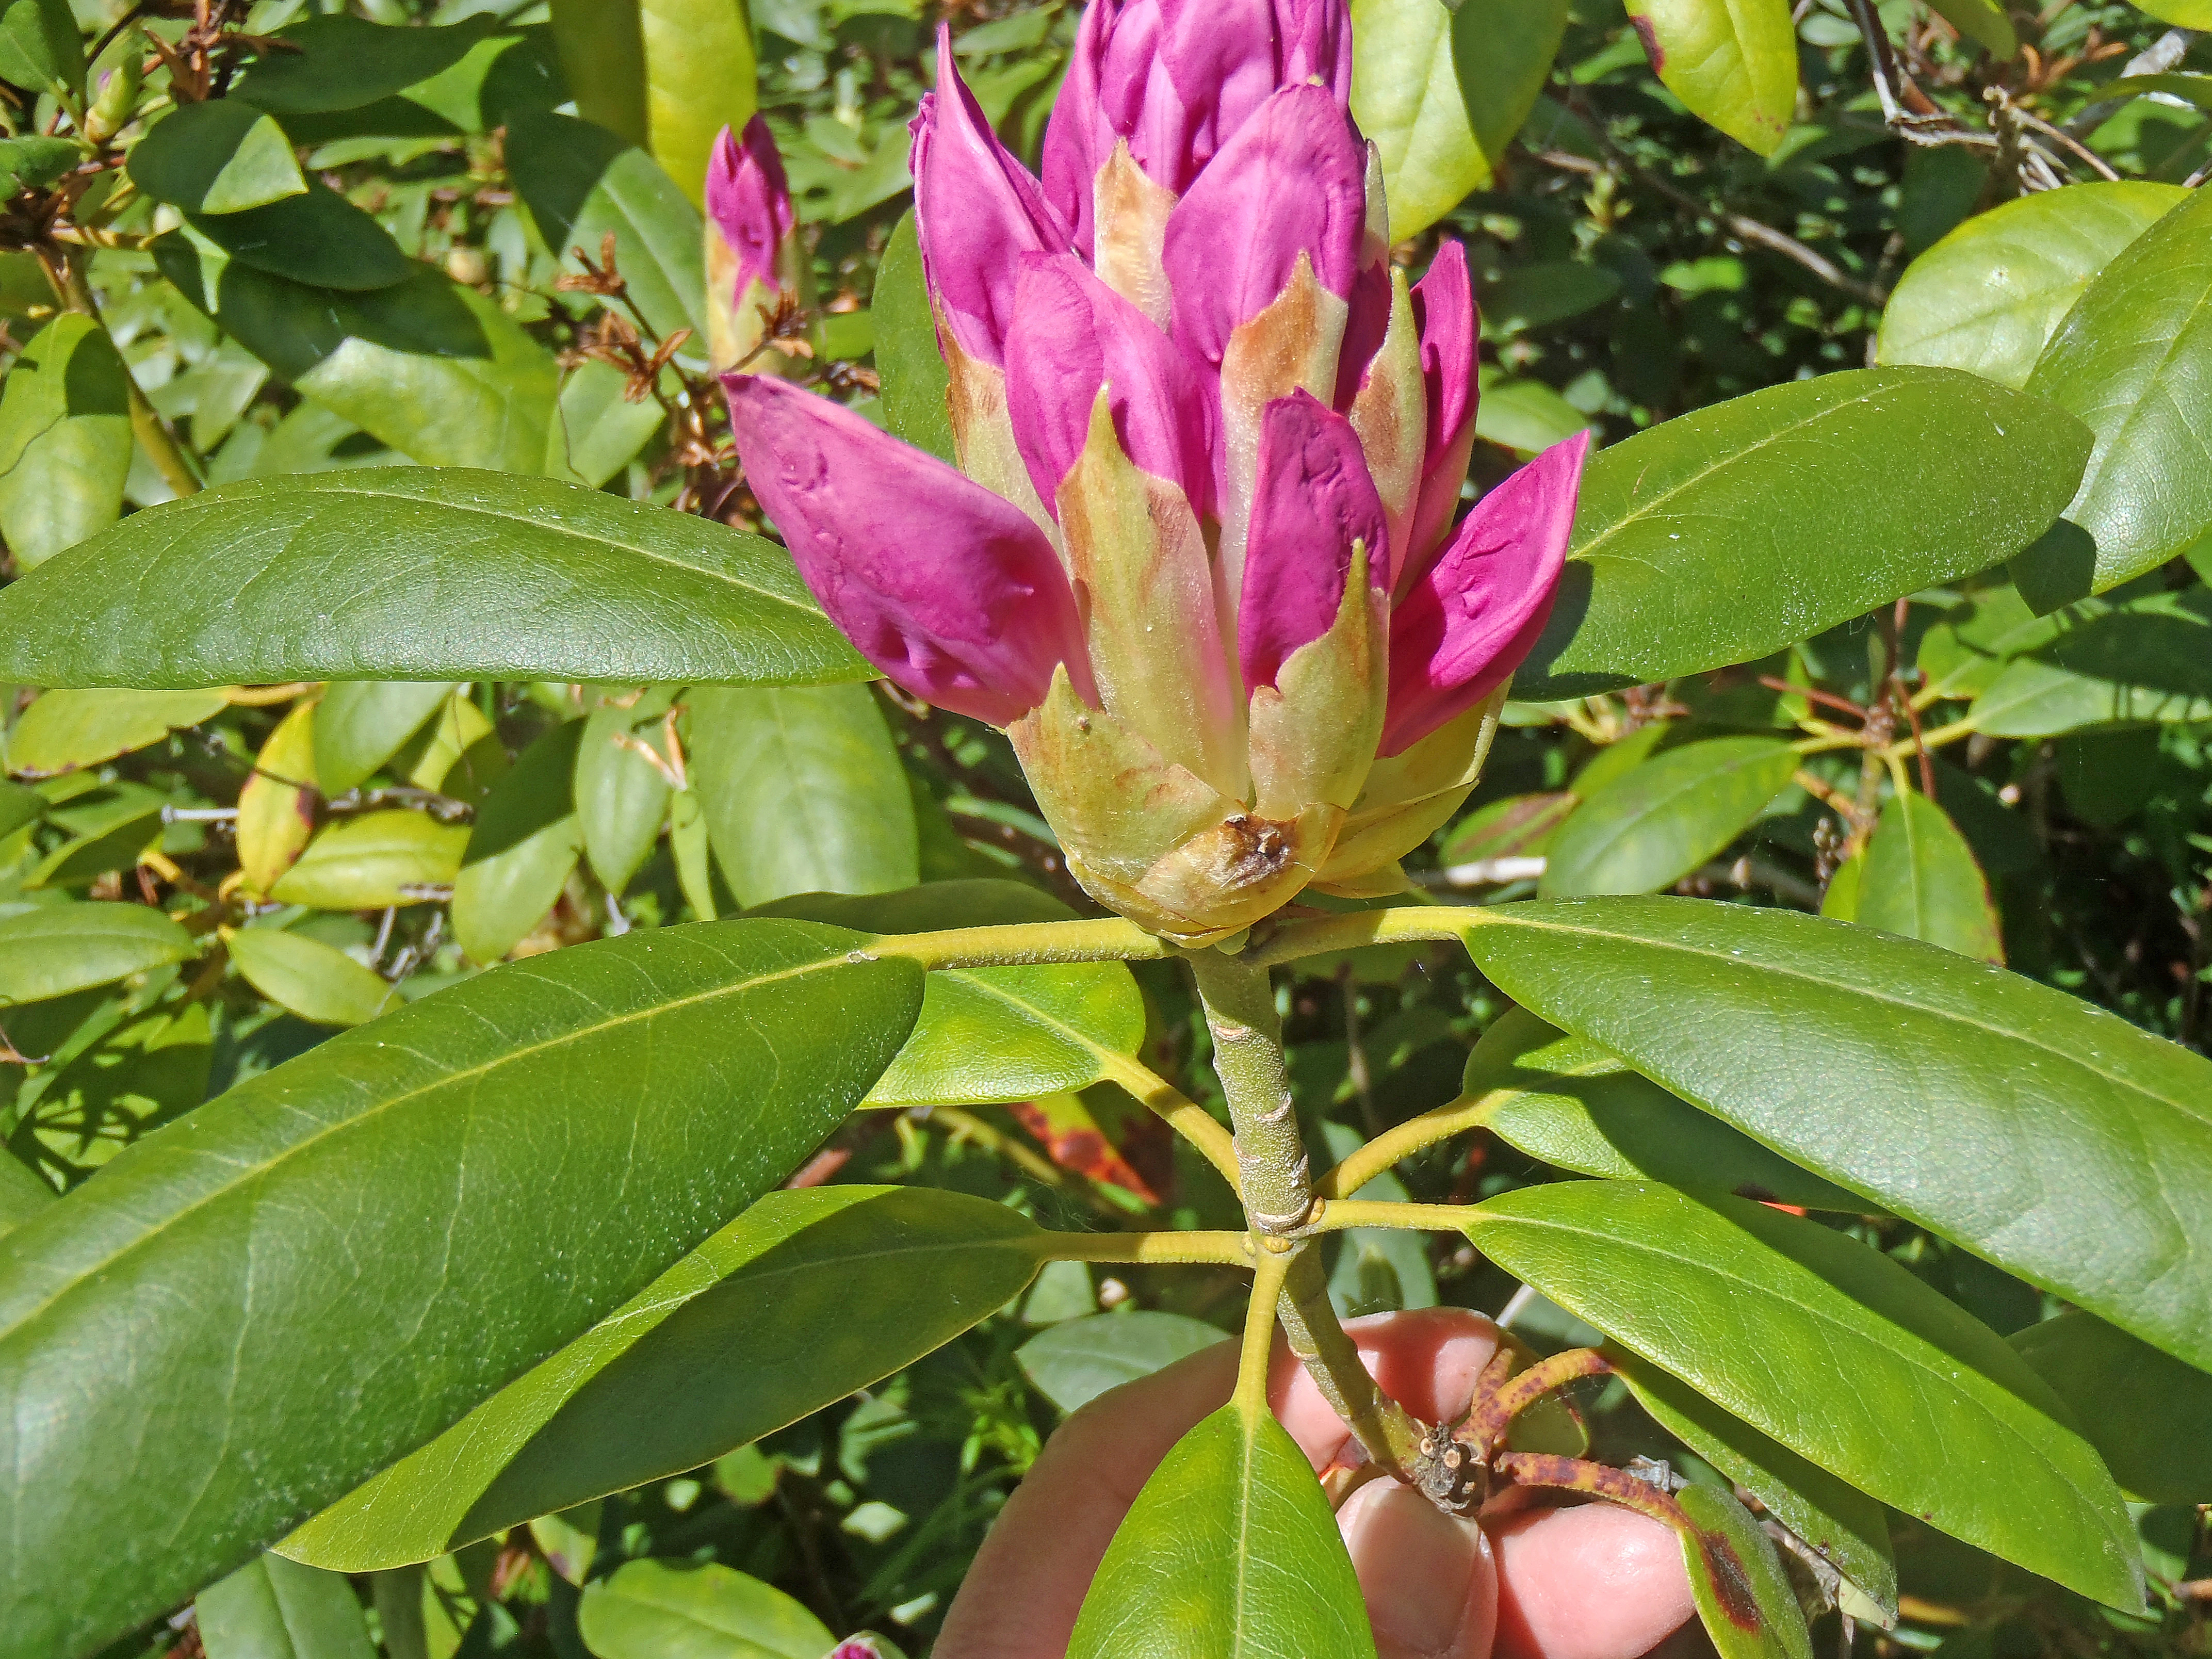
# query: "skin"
(1591, 1582)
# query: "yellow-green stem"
(1251, 1396)
(1402, 1140)
(1109, 939)
(1182, 1114)
(1384, 1427)
(1334, 1215)
(1230, 1249)
(1407, 924)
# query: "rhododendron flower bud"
(756, 267)
(1198, 558)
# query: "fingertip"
(1425, 1358)
(1428, 1579)
(1594, 1582)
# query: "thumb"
(1431, 1586)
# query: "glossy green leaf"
(220, 156)
(1835, 1351)
(803, 790)
(317, 239)
(1074, 1362)
(41, 47)
(318, 983)
(1574, 1104)
(22, 1193)
(64, 440)
(56, 949)
(1441, 91)
(991, 1034)
(1982, 21)
(2082, 1125)
(596, 431)
(1841, 1524)
(64, 730)
(696, 1610)
(621, 797)
(342, 63)
(375, 861)
(699, 78)
(361, 724)
(1733, 62)
(2182, 14)
(1229, 1549)
(1743, 1596)
(915, 381)
(526, 840)
(1919, 880)
(603, 59)
(2145, 662)
(417, 574)
(583, 182)
(544, 1090)
(2134, 360)
(1649, 827)
(806, 1297)
(2149, 1415)
(1716, 538)
(1525, 416)
(272, 1608)
(1988, 297)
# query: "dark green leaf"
(1550, 291)
(344, 63)
(1982, 21)
(221, 156)
(361, 724)
(64, 440)
(1569, 1101)
(667, 1078)
(56, 949)
(1075, 1362)
(1734, 64)
(40, 46)
(1743, 1596)
(621, 797)
(19, 806)
(526, 840)
(1229, 1549)
(1649, 827)
(915, 378)
(1835, 1351)
(696, 1610)
(1717, 538)
(318, 983)
(2081, 1127)
(317, 239)
(2134, 360)
(2146, 1412)
(22, 1193)
(272, 1608)
(1919, 880)
(414, 573)
(817, 1293)
(2146, 661)
(34, 163)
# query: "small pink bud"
(756, 267)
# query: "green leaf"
(2145, 662)
(1529, 296)
(344, 63)
(1717, 538)
(361, 724)
(581, 182)
(33, 163)
(1988, 297)
(438, 371)
(829, 1290)
(375, 860)
(696, 1610)
(221, 156)
(2182, 14)
(2190, 88)
(699, 78)
(1743, 1596)
(2083, 1127)
(1519, 826)
(65, 730)
(19, 806)
(1441, 91)
(64, 440)
(803, 790)
(1835, 1351)
(1525, 415)
(272, 1608)
(603, 60)
(417, 574)
(1229, 1549)
(1980, 21)
(318, 983)
(317, 239)
(526, 840)
(23, 1195)
(1733, 62)
(1649, 827)
(597, 430)
(2149, 1415)
(991, 1035)
(622, 798)
(1076, 1361)
(40, 46)
(1567, 1101)
(915, 381)
(446, 1143)
(1919, 880)
(2134, 360)
(56, 949)
(1841, 1524)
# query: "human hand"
(1589, 1582)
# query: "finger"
(1426, 1360)
(1590, 1582)
(1431, 1589)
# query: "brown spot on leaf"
(1652, 49)
(1731, 1581)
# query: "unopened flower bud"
(757, 268)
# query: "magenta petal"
(976, 210)
(1444, 310)
(1071, 334)
(951, 591)
(1311, 499)
(750, 201)
(1293, 180)
(1465, 626)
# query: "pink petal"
(1465, 626)
(976, 210)
(750, 201)
(1073, 334)
(1311, 499)
(1292, 180)
(1444, 307)
(951, 591)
